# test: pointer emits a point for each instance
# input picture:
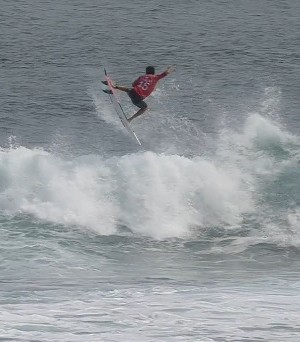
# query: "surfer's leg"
(138, 113)
(137, 100)
(143, 107)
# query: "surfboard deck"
(118, 108)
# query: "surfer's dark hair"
(150, 70)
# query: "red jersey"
(145, 84)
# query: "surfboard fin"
(107, 91)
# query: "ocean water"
(195, 236)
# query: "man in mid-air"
(141, 88)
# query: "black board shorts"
(136, 99)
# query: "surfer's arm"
(119, 87)
(115, 86)
(166, 72)
(170, 70)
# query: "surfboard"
(118, 108)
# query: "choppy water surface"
(194, 236)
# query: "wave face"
(251, 176)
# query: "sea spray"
(151, 194)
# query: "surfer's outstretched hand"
(170, 69)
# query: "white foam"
(152, 194)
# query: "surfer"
(141, 88)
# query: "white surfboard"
(118, 108)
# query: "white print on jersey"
(144, 83)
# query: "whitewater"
(160, 195)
